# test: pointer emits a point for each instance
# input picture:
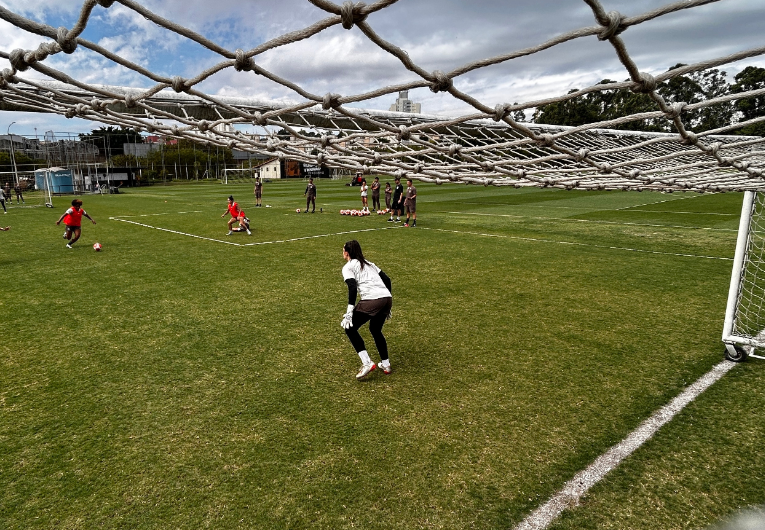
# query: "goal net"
(26, 189)
(489, 145)
(744, 328)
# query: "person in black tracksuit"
(398, 202)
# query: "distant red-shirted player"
(73, 221)
(236, 215)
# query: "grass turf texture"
(175, 382)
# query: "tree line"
(692, 88)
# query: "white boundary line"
(575, 488)
(674, 199)
(518, 238)
(537, 240)
(258, 242)
(570, 220)
(119, 217)
(175, 232)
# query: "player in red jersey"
(236, 215)
(73, 221)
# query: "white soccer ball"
(298, 210)
(97, 247)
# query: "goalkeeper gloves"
(347, 321)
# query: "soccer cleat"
(249, 233)
(365, 369)
(68, 245)
(229, 233)
(398, 220)
(391, 220)
(387, 370)
(414, 224)
(406, 225)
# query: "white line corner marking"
(575, 488)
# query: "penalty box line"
(593, 221)
(573, 243)
(578, 486)
(225, 242)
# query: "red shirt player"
(73, 221)
(236, 215)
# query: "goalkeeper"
(365, 278)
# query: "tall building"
(404, 104)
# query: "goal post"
(744, 327)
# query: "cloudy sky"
(437, 34)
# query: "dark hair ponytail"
(353, 249)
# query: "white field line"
(226, 242)
(689, 213)
(575, 488)
(538, 240)
(175, 232)
(120, 217)
(568, 220)
(659, 202)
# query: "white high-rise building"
(404, 104)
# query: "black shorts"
(73, 228)
(375, 307)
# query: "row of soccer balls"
(361, 213)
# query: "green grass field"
(171, 381)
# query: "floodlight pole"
(13, 156)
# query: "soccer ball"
(97, 247)
(298, 210)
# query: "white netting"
(486, 146)
(749, 319)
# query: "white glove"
(347, 321)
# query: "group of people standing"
(5, 195)
(397, 200)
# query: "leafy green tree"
(713, 84)
(750, 78)
(572, 112)
(613, 104)
(23, 162)
(110, 140)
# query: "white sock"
(364, 356)
(385, 363)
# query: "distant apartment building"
(404, 104)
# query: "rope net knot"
(179, 84)
(330, 101)
(352, 14)
(614, 26)
(242, 63)
(500, 112)
(441, 82)
(68, 44)
(644, 84)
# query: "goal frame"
(737, 346)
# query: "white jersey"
(371, 286)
